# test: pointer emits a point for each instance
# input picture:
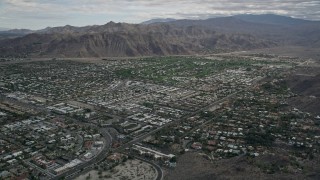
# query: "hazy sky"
(36, 14)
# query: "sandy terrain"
(132, 169)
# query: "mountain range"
(159, 20)
(162, 37)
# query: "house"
(196, 145)
(16, 154)
(211, 142)
(12, 161)
(115, 157)
(88, 155)
(210, 148)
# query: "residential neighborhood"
(68, 119)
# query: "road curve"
(157, 167)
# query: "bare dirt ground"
(308, 104)
(305, 82)
(132, 169)
(192, 166)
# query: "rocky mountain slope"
(174, 37)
